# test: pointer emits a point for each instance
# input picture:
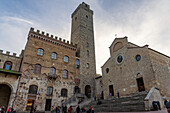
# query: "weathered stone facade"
(9, 79)
(54, 69)
(83, 35)
(131, 69)
(45, 79)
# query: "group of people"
(3, 110)
(64, 109)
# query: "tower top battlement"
(84, 6)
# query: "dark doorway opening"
(48, 105)
(76, 90)
(88, 91)
(102, 95)
(5, 92)
(111, 90)
(140, 84)
(30, 104)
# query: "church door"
(5, 92)
(111, 91)
(140, 84)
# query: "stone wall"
(83, 35)
(8, 77)
(42, 80)
(161, 68)
(123, 76)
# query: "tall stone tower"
(82, 34)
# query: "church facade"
(50, 70)
(131, 69)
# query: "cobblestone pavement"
(162, 111)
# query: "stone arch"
(117, 46)
(5, 94)
(88, 91)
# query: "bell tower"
(82, 34)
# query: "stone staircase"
(131, 103)
(76, 99)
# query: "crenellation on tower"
(1, 51)
(14, 54)
(50, 38)
(7, 52)
(38, 31)
(56, 37)
(84, 6)
(47, 34)
(42, 32)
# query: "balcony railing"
(13, 72)
(52, 75)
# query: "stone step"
(120, 108)
(130, 103)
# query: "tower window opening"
(86, 16)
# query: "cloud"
(18, 20)
(147, 23)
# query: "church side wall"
(161, 67)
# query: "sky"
(142, 21)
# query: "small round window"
(138, 57)
(107, 70)
(119, 59)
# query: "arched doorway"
(140, 84)
(5, 92)
(88, 91)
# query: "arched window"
(54, 55)
(37, 69)
(87, 52)
(87, 65)
(49, 90)
(52, 71)
(77, 62)
(8, 65)
(33, 89)
(64, 92)
(65, 74)
(87, 44)
(40, 52)
(66, 58)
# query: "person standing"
(92, 109)
(9, 110)
(3, 109)
(70, 109)
(64, 109)
(118, 94)
(168, 106)
(58, 109)
(78, 109)
(35, 109)
(32, 109)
